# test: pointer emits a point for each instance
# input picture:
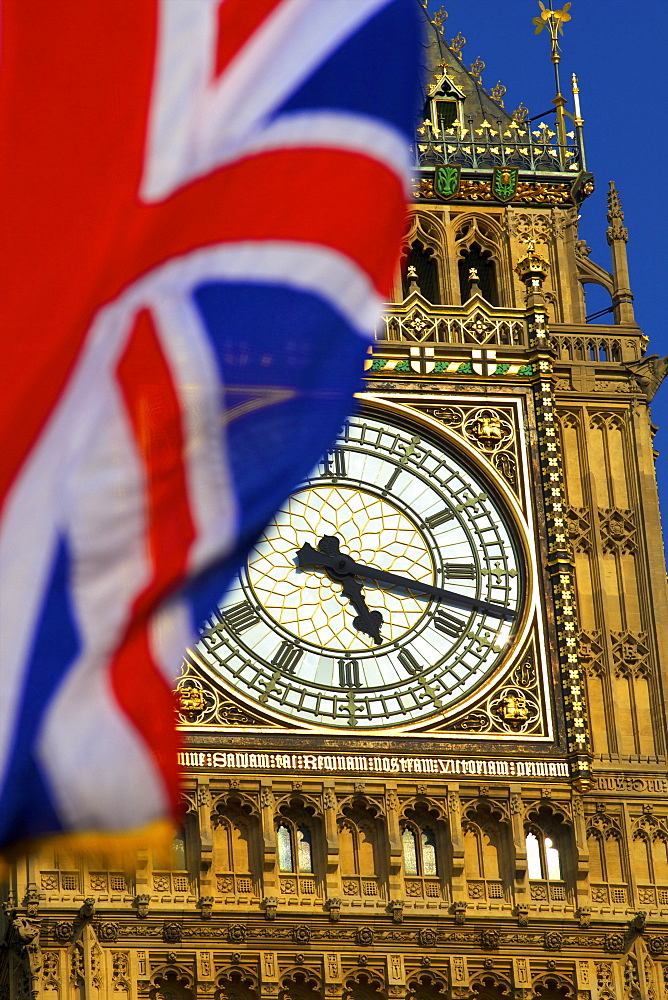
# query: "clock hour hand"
(329, 559)
(341, 565)
(366, 621)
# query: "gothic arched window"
(649, 859)
(481, 851)
(481, 262)
(486, 853)
(235, 863)
(423, 844)
(419, 849)
(179, 850)
(596, 847)
(549, 846)
(660, 859)
(642, 858)
(179, 876)
(606, 868)
(421, 268)
(360, 857)
(295, 852)
(542, 857)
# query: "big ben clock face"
(389, 587)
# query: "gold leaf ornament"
(557, 16)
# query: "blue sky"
(619, 52)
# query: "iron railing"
(499, 144)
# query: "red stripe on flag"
(155, 415)
(237, 20)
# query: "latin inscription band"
(235, 760)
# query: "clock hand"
(342, 565)
(366, 621)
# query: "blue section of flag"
(361, 76)
(288, 386)
(27, 809)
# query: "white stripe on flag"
(198, 122)
(100, 773)
(194, 368)
(307, 267)
(336, 130)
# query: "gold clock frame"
(528, 656)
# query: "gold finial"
(473, 274)
(439, 19)
(496, 93)
(457, 44)
(553, 20)
(412, 271)
(520, 114)
(476, 70)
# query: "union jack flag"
(202, 206)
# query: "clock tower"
(424, 735)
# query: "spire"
(616, 228)
(617, 235)
(578, 120)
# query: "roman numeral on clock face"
(408, 662)
(240, 617)
(287, 657)
(437, 519)
(334, 463)
(349, 674)
(449, 624)
(459, 571)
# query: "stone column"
(617, 235)
(205, 835)
(267, 805)
(457, 839)
(519, 844)
(581, 855)
(394, 840)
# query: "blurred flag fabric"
(202, 207)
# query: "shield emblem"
(504, 182)
(446, 180)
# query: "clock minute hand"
(342, 565)
(458, 600)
